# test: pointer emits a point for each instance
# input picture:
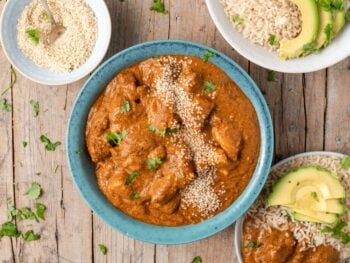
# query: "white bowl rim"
(58, 83)
(239, 223)
(286, 69)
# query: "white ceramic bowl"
(8, 37)
(338, 50)
(239, 223)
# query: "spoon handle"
(47, 9)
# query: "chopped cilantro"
(345, 162)
(337, 232)
(237, 20)
(273, 41)
(153, 164)
(24, 144)
(9, 229)
(115, 138)
(135, 196)
(126, 106)
(208, 55)
(209, 87)
(328, 30)
(159, 7)
(253, 244)
(103, 249)
(162, 132)
(36, 108)
(131, 177)
(30, 236)
(50, 146)
(34, 191)
(40, 210)
(33, 35)
(5, 106)
(197, 259)
(21, 214)
(315, 196)
(271, 75)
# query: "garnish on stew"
(135, 196)
(162, 132)
(131, 177)
(126, 106)
(208, 55)
(115, 138)
(209, 87)
(153, 164)
(253, 245)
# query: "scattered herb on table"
(153, 164)
(36, 108)
(40, 210)
(337, 232)
(162, 132)
(30, 236)
(209, 87)
(197, 259)
(103, 249)
(207, 55)
(9, 229)
(126, 106)
(38, 174)
(237, 20)
(315, 196)
(50, 146)
(21, 214)
(24, 144)
(253, 245)
(55, 168)
(271, 76)
(34, 191)
(131, 177)
(135, 196)
(33, 35)
(5, 106)
(273, 41)
(345, 162)
(159, 7)
(115, 138)
(12, 83)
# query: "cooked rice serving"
(258, 20)
(308, 234)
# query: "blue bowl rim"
(189, 233)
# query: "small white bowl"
(338, 50)
(8, 37)
(239, 223)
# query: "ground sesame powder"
(70, 50)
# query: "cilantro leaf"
(40, 210)
(9, 229)
(237, 20)
(50, 146)
(24, 144)
(197, 259)
(131, 177)
(253, 245)
(328, 30)
(271, 75)
(337, 232)
(126, 106)
(34, 191)
(115, 138)
(273, 41)
(153, 164)
(5, 106)
(159, 7)
(103, 249)
(345, 162)
(36, 108)
(162, 132)
(135, 196)
(209, 87)
(33, 35)
(30, 236)
(208, 55)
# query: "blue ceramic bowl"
(8, 36)
(83, 171)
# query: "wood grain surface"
(309, 111)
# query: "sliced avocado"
(329, 206)
(300, 184)
(293, 48)
(320, 217)
(338, 21)
(325, 33)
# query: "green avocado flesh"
(293, 48)
(339, 21)
(325, 33)
(310, 192)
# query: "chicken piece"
(159, 152)
(162, 190)
(228, 137)
(203, 110)
(149, 69)
(160, 116)
(171, 206)
(116, 185)
(189, 80)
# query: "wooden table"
(310, 112)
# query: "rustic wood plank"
(337, 124)
(6, 158)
